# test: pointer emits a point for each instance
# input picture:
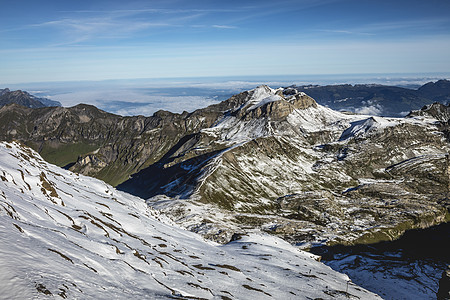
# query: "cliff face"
(304, 172)
(436, 110)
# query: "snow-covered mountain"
(277, 160)
(265, 158)
(70, 236)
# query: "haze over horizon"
(101, 40)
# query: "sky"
(55, 40)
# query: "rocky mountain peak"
(263, 88)
(25, 99)
(4, 91)
(275, 104)
(436, 110)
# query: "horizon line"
(444, 75)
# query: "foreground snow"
(72, 236)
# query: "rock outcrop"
(436, 110)
(444, 285)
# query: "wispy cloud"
(348, 32)
(411, 26)
(381, 28)
(224, 26)
(372, 110)
(154, 10)
(407, 24)
(132, 102)
(82, 26)
(79, 30)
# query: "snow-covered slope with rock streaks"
(71, 236)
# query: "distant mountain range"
(378, 99)
(373, 99)
(24, 99)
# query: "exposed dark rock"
(436, 110)
(98, 143)
(444, 285)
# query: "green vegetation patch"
(65, 154)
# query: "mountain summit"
(24, 99)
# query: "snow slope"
(70, 236)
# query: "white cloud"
(373, 110)
(132, 102)
(172, 104)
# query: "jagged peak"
(19, 92)
(274, 103)
(24, 98)
(435, 105)
(4, 91)
(261, 90)
(435, 110)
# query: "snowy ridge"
(260, 96)
(233, 130)
(314, 119)
(72, 236)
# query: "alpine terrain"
(279, 161)
(265, 160)
(64, 235)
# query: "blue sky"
(97, 40)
